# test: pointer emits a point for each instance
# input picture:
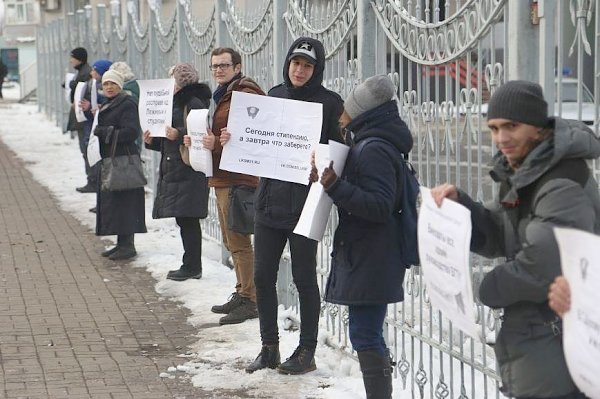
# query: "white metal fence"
(445, 56)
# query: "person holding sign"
(544, 182)
(278, 208)
(365, 272)
(119, 212)
(98, 69)
(182, 192)
(226, 67)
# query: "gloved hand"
(328, 177)
(104, 133)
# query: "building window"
(20, 12)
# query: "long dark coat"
(365, 267)
(83, 75)
(120, 212)
(181, 191)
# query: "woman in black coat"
(366, 272)
(119, 212)
(182, 193)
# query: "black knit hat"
(80, 54)
(520, 101)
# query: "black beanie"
(520, 101)
(80, 54)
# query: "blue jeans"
(366, 327)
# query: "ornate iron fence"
(445, 57)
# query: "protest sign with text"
(444, 236)
(271, 137)
(79, 92)
(156, 105)
(200, 157)
(581, 329)
(94, 94)
(93, 147)
(315, 213)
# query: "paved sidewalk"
(73, 324)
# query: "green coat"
(528, 352)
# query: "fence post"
(366, 27)
(523, 36)
(279, 47)
(221, 34)
(547, 14)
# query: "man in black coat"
(278, 207)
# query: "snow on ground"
(218, 358)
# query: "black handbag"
(123, 172)
(240, 217)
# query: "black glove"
(329, 177)
(104, 133)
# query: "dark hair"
(236, 58)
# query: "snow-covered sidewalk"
(218, 358)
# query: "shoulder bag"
(123, 172)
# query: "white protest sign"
(200, 157)
(444, 236)
(315, 213)
(581, 328)
(93, 147)
(94, 94)
(68, 79)
(79, 92)
(271, 137)
(155, 107)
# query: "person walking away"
(226, 67)
(544, 182)
(119, 213)
(365, 272)
(182, 192)
(278, 208)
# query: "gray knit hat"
(113, 76)
(184, 74)
(370, 94)
(520, 101)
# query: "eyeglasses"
(222, 67)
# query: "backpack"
(406, 210)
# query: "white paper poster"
(444, 240)
(68, 79)
(200, 157)
(94, 91)
(315, 213)
(155, 107)
(79, 92)
(271, 137)
(581, 325)
(93, 148)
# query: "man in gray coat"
(544, 182)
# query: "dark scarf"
(222, 89)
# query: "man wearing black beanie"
(78, 60)
(544, 183)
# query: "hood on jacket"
(316, 79)
(569, 139)
(383, 121)
(198, 90)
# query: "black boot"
(126, 248)
(302, 361)
(268, 357)
(227, 307)
(183, 274)
(109, 252)
(377, 374)
(245, 310)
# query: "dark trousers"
(365, 325)
(268, 248)
(191, 237)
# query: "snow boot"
(377, 374)
(268, 357)
(302, 361)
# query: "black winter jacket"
(181, 191)
(365, 269)
(280, 203)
